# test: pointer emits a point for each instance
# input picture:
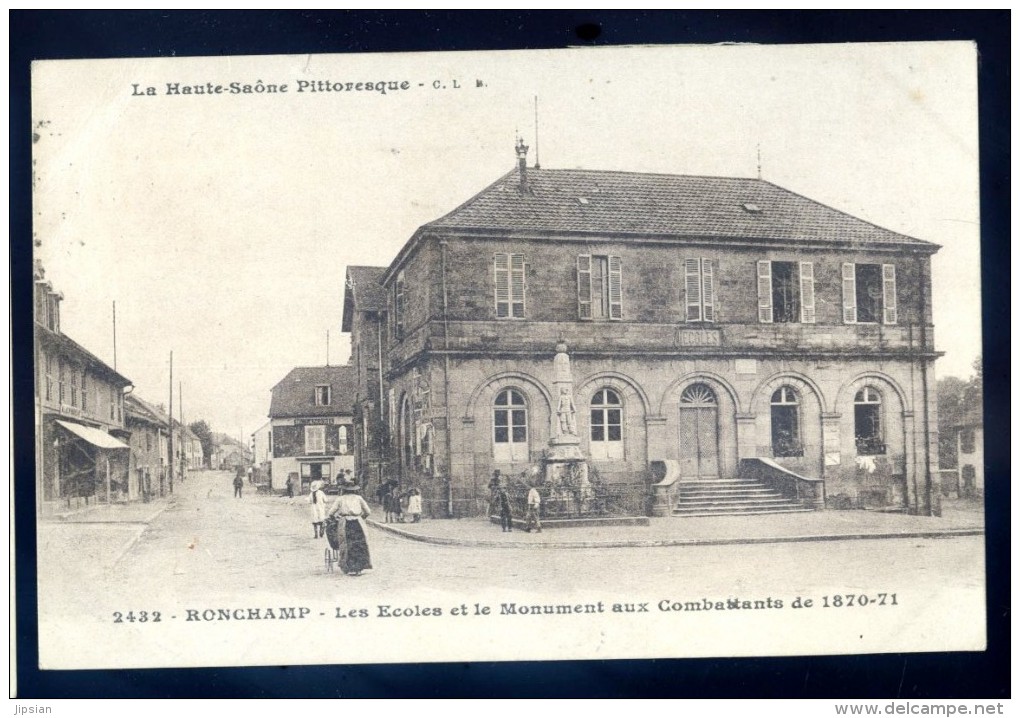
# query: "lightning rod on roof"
(759, 160)
(537, 165)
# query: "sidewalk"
(128, 512)
(958, 519)
(97, 536)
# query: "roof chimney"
(522, 164)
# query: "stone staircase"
(726, 497)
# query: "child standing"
(414, 505)
(317, 498)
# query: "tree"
(974, 394)
(957, 397)
(950, 391)
(204, 434)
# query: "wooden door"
(699, 433)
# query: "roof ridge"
(649, 174)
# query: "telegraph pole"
(180, 421)
(170, 424)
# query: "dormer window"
(751, 207)
(322, 395)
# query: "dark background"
(94, 34)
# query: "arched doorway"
(699, 433)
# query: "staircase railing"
(809, 492)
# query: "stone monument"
(564, 462)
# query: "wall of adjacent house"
(971, 463)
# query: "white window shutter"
(501, 274)
(708, 290)
(888, 293)
(849, 293)
(807, 293)
(765, 291)
(615, 288)
(517, 285)
(584, 286)
(692, 286)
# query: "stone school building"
(724, 328)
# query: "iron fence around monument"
(597, 500)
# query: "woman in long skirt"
(350, 508)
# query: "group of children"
(393, 502)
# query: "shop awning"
(93, 436)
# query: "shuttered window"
(699, 288)
(765, 292)
(508, 274)
(615, 288)
(786, 292)
(869, 293)
(807, 292)
(849, 293)
(315, 439)
(599, 287)
(584, 286)
(889, 293)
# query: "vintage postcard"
(579, 354)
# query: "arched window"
(510, 427)
(785, 412)
(342, 437)
(868, 422)
(606, 425)
(700, 395)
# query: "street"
(209, 550)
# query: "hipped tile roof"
(621, 203)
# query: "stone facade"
(806, 339)
(364, 317)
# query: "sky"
(222, 224)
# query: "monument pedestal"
(565, 453)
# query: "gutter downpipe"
(446, 386)
(923, 296)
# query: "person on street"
(350, 508)
(534, 506)
(290, 488)
(414, 506)
(388, 499)
(238, 485)
(506, 518)
(317, 498)
(494, 485)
